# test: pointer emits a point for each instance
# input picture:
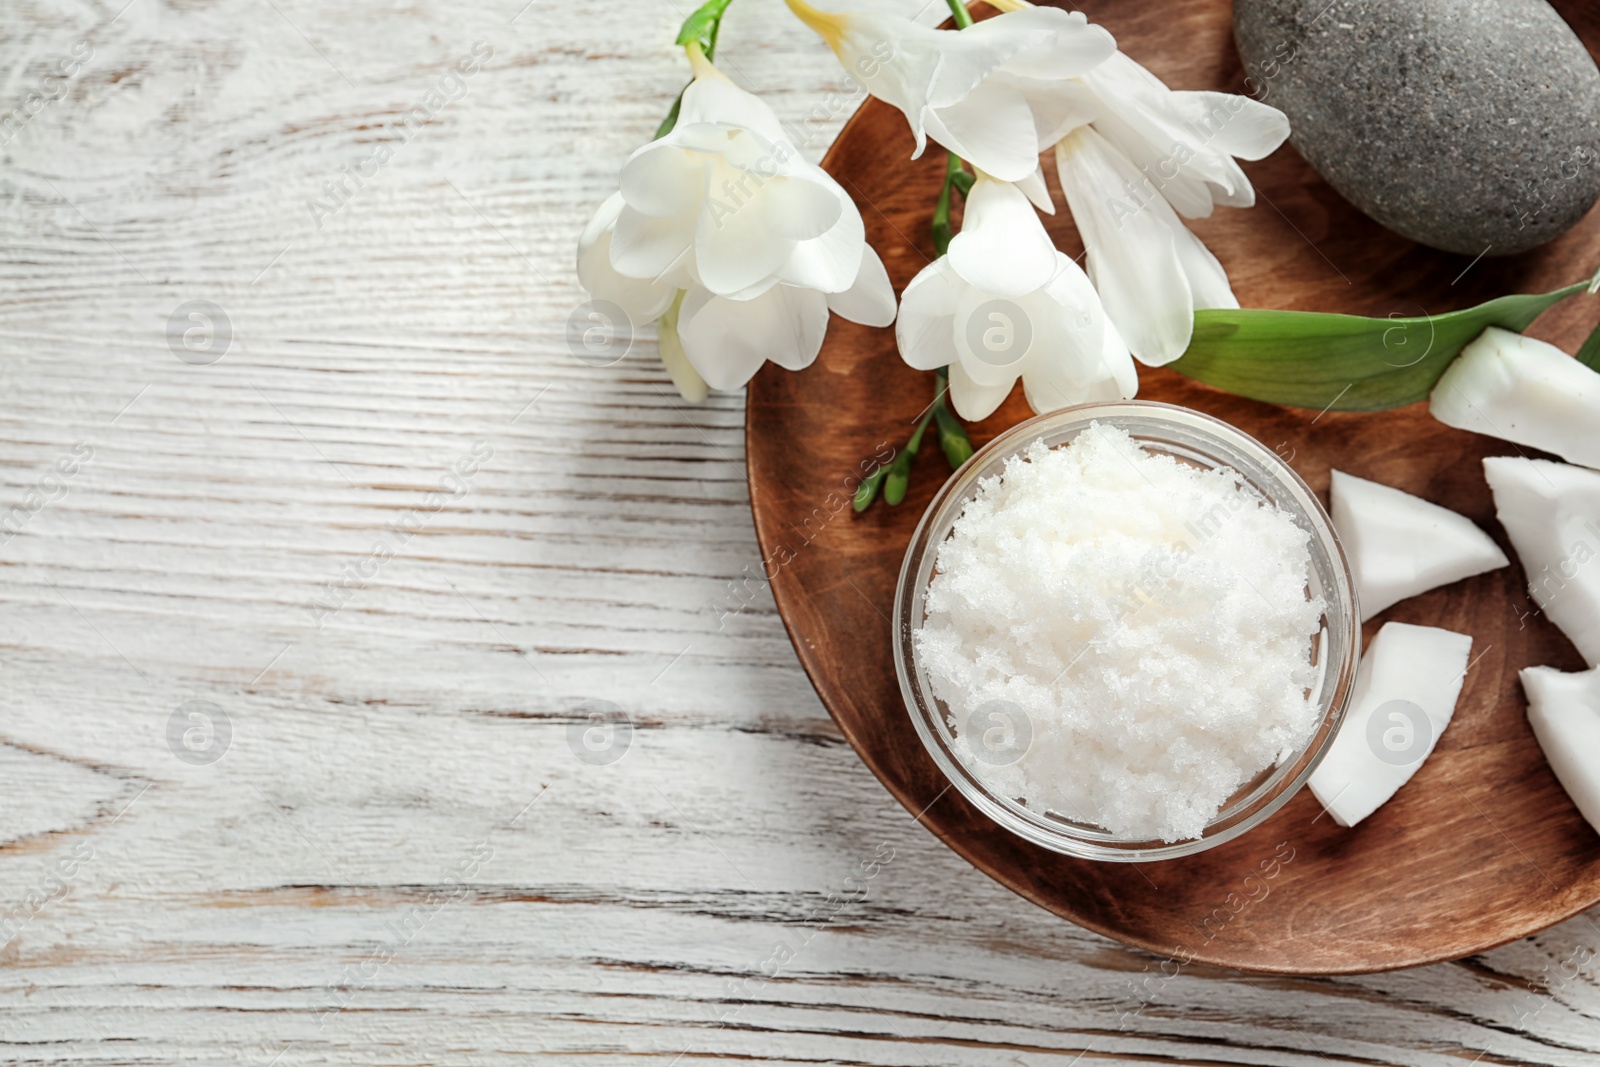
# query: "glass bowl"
(1193, 438)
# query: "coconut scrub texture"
(1121, 638)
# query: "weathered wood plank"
(634, 909)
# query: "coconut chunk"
(1552, 513)
(1405, 695)
(1401, 545)
(1518, 389)
(1564, 711)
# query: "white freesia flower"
(1131, 153)
(1184, 143)
(985, 92)
(744, 246)
(1147, 155)
(1150, 271)
(1004, 304)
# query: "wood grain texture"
(702, 899)
(1481, 848)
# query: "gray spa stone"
(1468, 125)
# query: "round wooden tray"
(1480, 848)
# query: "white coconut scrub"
(1120, 637)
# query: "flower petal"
(663, 181)
(996, 337)
(1058, 107)
(1133, 259)
(1238, 192)
(643, 300)
(736, 246)
(1161, 173)
(1208, 282)
(1150, 111)
(728, 340)
(1082, 319)
(1123, 380)
(973, 401)
(991, 128)
(1236, 125)
(601, 222)
(716, 99)
(893, 58)
(925, 328)
(1002, 247)
(1037, 192)
(690, 385)
(870, 301)
(653, 248)
(800, 207)
(1061, 369)
(1049, 387)
(832, 261)
(1071, 46)
(969, 56)
(1110, 375)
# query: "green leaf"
(952, 437)
(1343, 362)
(1589, 354)
(703, 24)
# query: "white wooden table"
(292, 716)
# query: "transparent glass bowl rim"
(1216, 442)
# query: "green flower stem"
(895, 478)
(672, 115)
(899, 478)
(702, 26)
(952, 436)
(958, 177)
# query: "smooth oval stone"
(1469, 125)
